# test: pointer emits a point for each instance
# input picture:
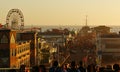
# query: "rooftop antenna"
(86, 20)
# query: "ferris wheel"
(15, 19)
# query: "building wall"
(13, 58)
(110, 44)
(4, 48)
(110, 50)
(23, 53)
(12, 53)
(31, 36)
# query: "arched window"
(4, 39)
(12, 40)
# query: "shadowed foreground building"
(109, 46)
(16, 49)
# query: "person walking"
(55, 67)
(81, 68)
(73, 67)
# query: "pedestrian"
(42, 68)
(64, 68)
(116, 67)
(55, 67)
(73, 67)
(91, 68)
(81, 68)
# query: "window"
(13, 52)
(12, 40)
(4, 39)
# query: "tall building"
(17, 49)
(13, 53)
(33, 46)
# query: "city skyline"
(64, 12)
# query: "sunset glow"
(64, 12)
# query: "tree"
(84, 46)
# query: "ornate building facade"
(16, 49)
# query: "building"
(84, 30)
(108, 46)
(56, 39)
(101, 29)
(17, 48)
(13, 53)
(33, 45)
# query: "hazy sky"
(64, 12)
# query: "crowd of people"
(71, 67)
